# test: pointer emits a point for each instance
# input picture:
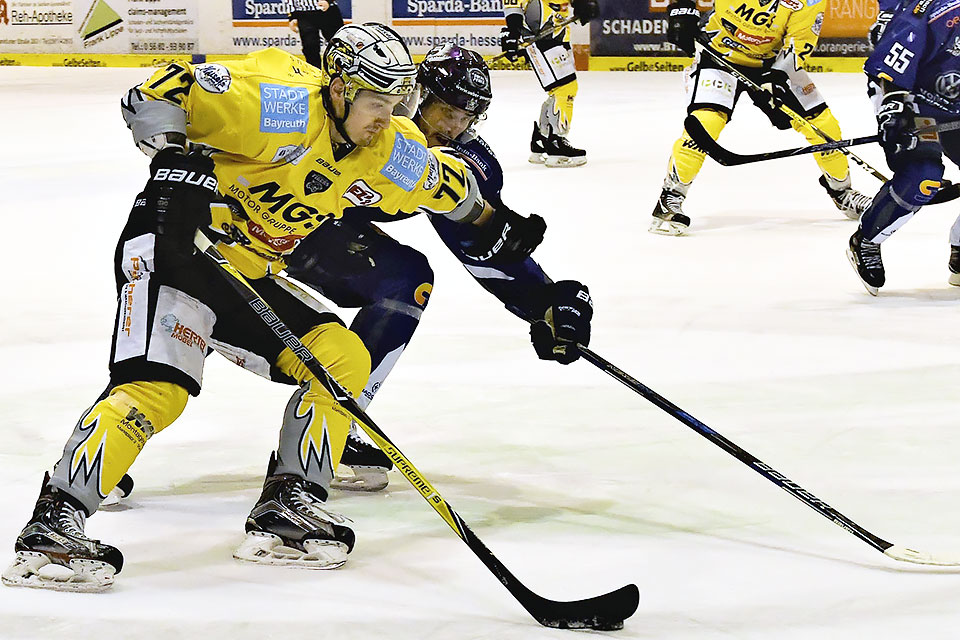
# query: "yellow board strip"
(668, 63)
(83, 60)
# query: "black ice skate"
(289, 526)
(558, 152)
(363, 466)
(668, 216)
(53, 552)
(865, 258)
(538, 154)
(849, 201)
(954, 265)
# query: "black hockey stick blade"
(700, 136)
(731, 159)
(604, 613)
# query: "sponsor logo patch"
(283, 109)
(793, 5)
(406, 164)
(281, 244)
(212, 78)
(948, 85)
(316, 182)
(184, 334)
(361, 194)
(751, 38)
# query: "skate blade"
(358, 478)
(537, 158)
(35, 570)
(265, 548)
(559, 162)
(954, 279)
(872, 290)
(667, 227)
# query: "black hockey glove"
(585, 10)
(776, 89)
(895, 126)
(683, 25)
(506, 237)
(179, 192)
(511, 36)
(336, 248)
(565, 321)
(878, 27)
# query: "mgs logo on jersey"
(406, 164)
(283, 109)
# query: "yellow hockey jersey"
(539, 13)
(747, 32)
(275, 160)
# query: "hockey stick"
(888, 548)
(546, 32)
(728, 158)
(606, 612)
(731, 159)
(796, 117)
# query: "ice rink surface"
(754, 323)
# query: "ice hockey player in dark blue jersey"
(353, 263)
(914, 74)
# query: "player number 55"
(898, 58)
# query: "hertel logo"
(188, 177)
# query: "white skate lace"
(853, 200)
(304, 500)
(671, 202)
(870, 255)
(71, 521)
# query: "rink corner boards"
(593, 63)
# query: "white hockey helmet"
(370, 56)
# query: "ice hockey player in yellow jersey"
(552, 60)
(768, 41)
(258, 153)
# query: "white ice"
(754, 323)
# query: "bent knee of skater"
(340, 351)
(919, 182)
(159, 403)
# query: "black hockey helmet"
(456, 76)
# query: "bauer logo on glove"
(567, 311)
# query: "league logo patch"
(817, 24)
(283, 109)
(316, 182)
(290, 153)
(212, 78)
(433, 173)
(406, 164)
(954, 49)
(361, 194)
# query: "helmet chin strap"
(337, 122)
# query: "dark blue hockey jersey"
(920, 52)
